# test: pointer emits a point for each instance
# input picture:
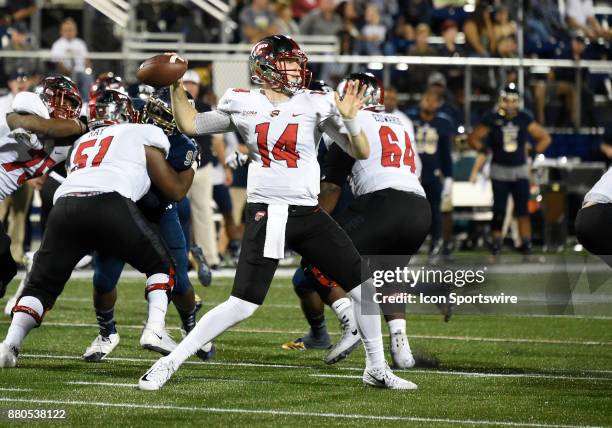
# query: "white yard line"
(412, 336)
(16, 389)
(118, 385)
(358, 369)
(281, 412)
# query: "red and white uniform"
(20, 162)
(393, 163)
(282, 138)
(112, 159)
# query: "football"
(162, 70)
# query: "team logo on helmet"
(111, 108)
(374, 93)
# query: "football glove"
(27, 138)
(236, 159)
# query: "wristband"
(352, 127)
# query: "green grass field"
(493, 371)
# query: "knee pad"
(32, 306)
(161, 281)
(302, 285)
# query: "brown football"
(162, 70)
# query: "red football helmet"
(264, 64)
(111, 108)
(374, 92)
(61, 96)
(107, 81)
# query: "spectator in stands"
(285, 23)
(19, 11)
(322, 20)
(454, 75)
(17, 205)
(411, 14)
(257, 21)
(334, 72)
(421, 47)
(373, 33)
(502, 25)
(349, 15)
(561, 82)
(580, 16)
(387, 9)
(302, 7)
(70, 55)
(18, 41)
(478, 31)
(543, 23)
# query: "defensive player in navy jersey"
(433, 131)
(508, 128)
(164, 214)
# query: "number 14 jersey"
(282, 139)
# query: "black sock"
(188, 318)
(106, 321)
(317, 324)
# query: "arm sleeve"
(213, 122)
(337, 165)
(333, 127)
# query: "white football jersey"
(601, 192)
(282, 139)
(112, 159)
(393, 162)
(19, 162)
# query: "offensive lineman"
(110, 167)
(282, 124)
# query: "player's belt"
(83, 194)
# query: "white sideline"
(412, 336)
(359, 369)
(279, 412)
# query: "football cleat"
(101, 347)
(8, 356)
(383, 377)
(400, 351)
(157, 340)
(157, 375)
(308, 342)
(204, 272)
(206, 352)
(349, 341)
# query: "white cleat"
(349, 341)
(101, 347)
(157, 339)
(8, 356)
(400, 351)
(383, 377)
(157, 375)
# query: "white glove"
(447, 187)
(27, 138)
(236, 159)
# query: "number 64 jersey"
(112, 159)
(393, 163)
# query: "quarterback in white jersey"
(282, 124)
(593, 227)
(94, 210)
(389, 217)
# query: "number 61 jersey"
(112, 159)
(282, 139)
(392, 163)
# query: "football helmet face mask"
(61, 96)
(107, 81)
(269, 60)
(374, 93)
(158, 111)
(111, 108)
(320, 85)
(509, 101)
